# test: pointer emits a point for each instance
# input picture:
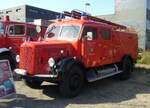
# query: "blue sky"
(97, 7)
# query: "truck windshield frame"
(64, 32)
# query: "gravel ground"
(107, 93)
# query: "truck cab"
(83, 48)
(13, 34)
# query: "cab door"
(90, 46)
(106, 50)
(16, 36)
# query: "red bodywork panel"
(14, 40)
(92, 53)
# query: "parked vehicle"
(12, 35)
(83, 48)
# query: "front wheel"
(72, 82)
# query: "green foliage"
(140, 50)
(144, 58)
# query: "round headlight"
(17, 58)
(51, 62)
(61, 51)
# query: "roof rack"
(78, 14)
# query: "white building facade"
(134, 14)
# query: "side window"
(1, 28)
(31, 32)
(105, 34)
(90, 33)
(17, 30)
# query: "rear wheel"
(72, 82)
(127, 67)
(32, 83)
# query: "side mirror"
(38, 29)
(87, 37)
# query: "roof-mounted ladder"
(78, 14)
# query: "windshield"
(1, 28)
(67, 32)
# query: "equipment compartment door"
(106, 46)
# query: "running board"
(45, 76)
(93, 75)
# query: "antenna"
(86, 6)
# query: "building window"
(1, 12)
(18, 19)
(148, 34)
(105, 34)
(18, 9)
(8, 11)
(33, 11)
(42, 12)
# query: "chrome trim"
(21, 72)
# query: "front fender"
(4, 50)
(64, 65)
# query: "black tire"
(127, 68)
(72, 82)
(32, 83)
(12, 62)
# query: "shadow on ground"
(104, 91)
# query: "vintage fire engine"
(83, 48)
(12, 35)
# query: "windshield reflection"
(63, 32)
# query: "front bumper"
(23, 73)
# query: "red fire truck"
(83, 48)
(12, 35)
